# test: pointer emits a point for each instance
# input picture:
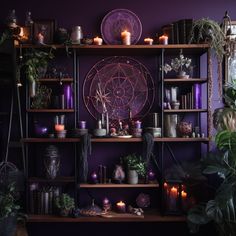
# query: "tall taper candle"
(197, 96)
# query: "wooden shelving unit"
(190, 80)
(45, 80)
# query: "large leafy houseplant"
(221, 209)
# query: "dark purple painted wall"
(153, 14)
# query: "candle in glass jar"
(163, 39)
(120, 206)
(59, 127)
(148, 41)
(126, 37)
(97, 41)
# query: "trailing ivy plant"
(34, 61)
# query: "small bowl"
(99, 132)
(156, 132)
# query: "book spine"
(182, 33)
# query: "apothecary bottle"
(29, 23)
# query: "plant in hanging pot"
(221, 208)
(64, 204)
(180, 65)
(135, 167)
(205, 30)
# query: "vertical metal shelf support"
(162, 132)
(76, 118)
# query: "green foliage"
(65, 202)
(133, 162)
(221, 209)
(8, 206)
(34, 61)
(42, 97)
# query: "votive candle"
(120, 206)
(97, 41)
(148, 41)
(163, 39)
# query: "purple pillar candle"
(197, 96)
(68, 96)
(138, 124)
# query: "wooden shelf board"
(190, 80)
(109, 140)
(55, 80)
(155, 185)
(185, 110)
(130, 49)
(50, 110)
(64, 179)
(153, 216)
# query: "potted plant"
(8, 210)
(135, 167)
(35, 66)
(65, 204)
(221, 209)
(180, 65)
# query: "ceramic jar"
(76, 35)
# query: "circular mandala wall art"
(118, 85)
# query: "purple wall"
(89, 14)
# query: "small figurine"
(119, 174)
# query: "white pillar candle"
(126, 37)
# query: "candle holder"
(174, 197)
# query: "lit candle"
(126, 37)
(120, 206)
(183, 194)
(163, 39)
(59, 127)
(148, 41)
(173, 196)
(138, 124)
(40, 38)
(97, 41)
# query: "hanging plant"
(209, 31)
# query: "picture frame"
(227, 57)
(43, 31)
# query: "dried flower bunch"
(178, 64)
